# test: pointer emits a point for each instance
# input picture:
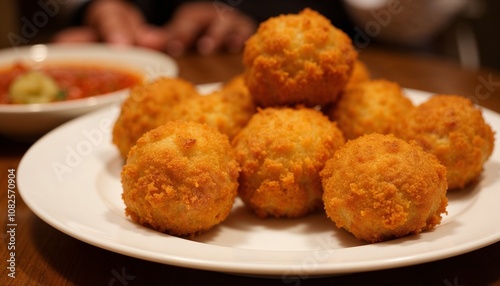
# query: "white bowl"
(30, 121)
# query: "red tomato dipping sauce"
(73, 80)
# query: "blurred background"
(472, 39)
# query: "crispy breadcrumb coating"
(281, 152)
(141, 111)
(454, 130)
(298, 59)
(370, 106)
(227, 109)
(180, 178)
(379, 187)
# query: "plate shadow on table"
(12, 148)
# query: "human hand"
(110, 21)
(207, 27)
(202, 25)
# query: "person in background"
(171, 26)
(209, 26)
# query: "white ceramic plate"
(28, 121)
(71, 179)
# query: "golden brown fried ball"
(141, 111)
(228, 109)
(281, 152)
(298, 59)
(379, 187)
(370, 106)
(180, 178)
(454, 130)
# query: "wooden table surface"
(46, 256)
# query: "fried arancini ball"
(281, 152)
(371, 106)
(141, 111)
(181, 178)
(454, 130)
(379, 187)
(227, 109)
(297, 59)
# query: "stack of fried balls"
(305, 128)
